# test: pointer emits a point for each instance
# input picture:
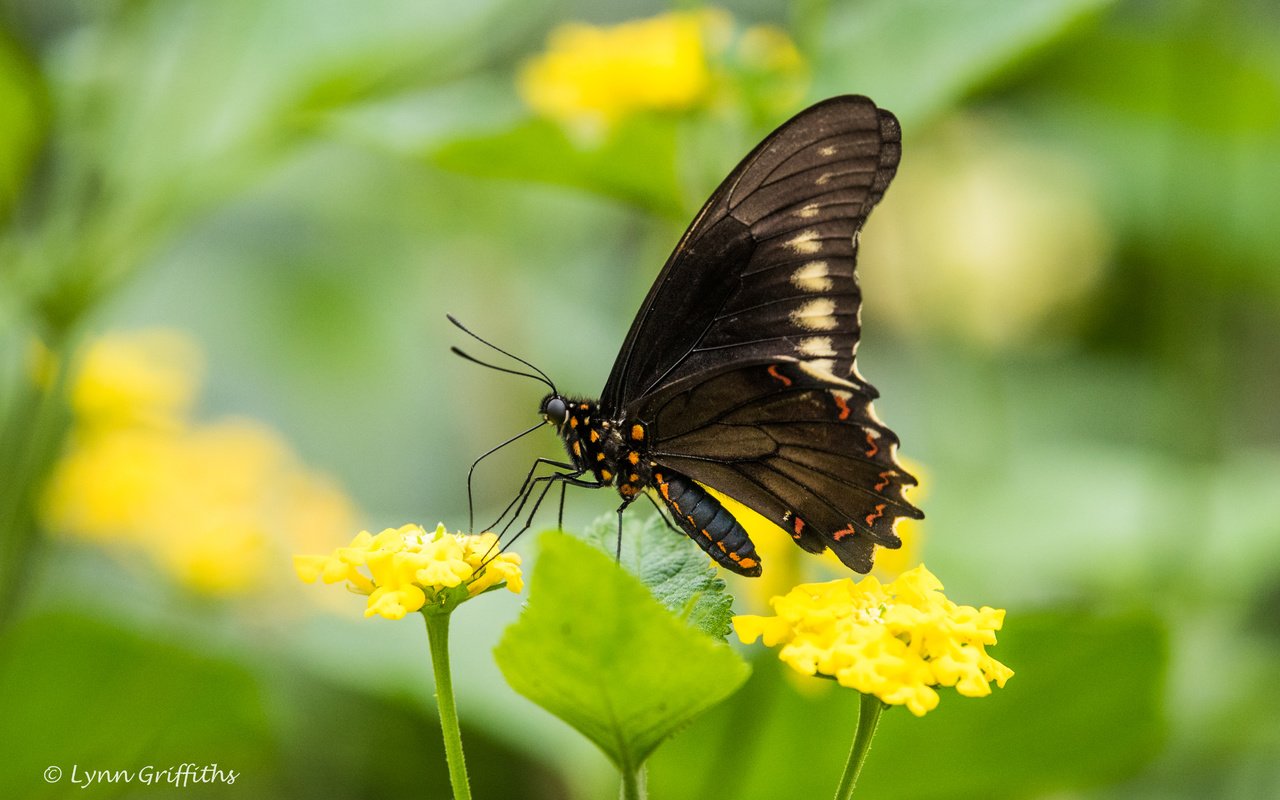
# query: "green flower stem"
(29, 444)
(633, 784)
(868, 719)
(438, 636)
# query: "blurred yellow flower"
(894, 641)
(407, 568)
(146, 378)
(590, 77)
(213, 505)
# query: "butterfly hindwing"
(809, 456)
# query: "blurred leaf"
(1083, 708)
(23, 121)
(594, 648)
(1184, 129)
(915, 57)
(677, 572)
(80, 692)
(84, 692)
(635, 163)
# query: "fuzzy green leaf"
(677, 572)
(596, 649)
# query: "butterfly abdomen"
(707, 522)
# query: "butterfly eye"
(555, 411)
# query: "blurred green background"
(1072, 311)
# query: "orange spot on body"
(606, 475)
(773, 370)
(637, 432)
(633, 457)
(599, 456)
(748, 563)
(595, 437)
(573, 422)
(577, 449)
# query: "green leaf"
(677, 572)
(915, 57)
(1082, 709)
(596, 649)
(635, 163)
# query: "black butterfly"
(738, 373)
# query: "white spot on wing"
(816, 315)
(812, 277)
(805, 242)
(829, 150)
(816, 346)
(808, 211)
(871, 414)
(821, 369)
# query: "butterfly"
(738, 372)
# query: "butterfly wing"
(741, 359)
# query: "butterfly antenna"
(458, 352)
(542, 376)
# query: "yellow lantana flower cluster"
(214, 505)
(592, 76)
(406, 569)
(895, 641)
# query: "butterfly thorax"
(613, 450)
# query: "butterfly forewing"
(741, 360)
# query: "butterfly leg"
(526, 485)
(565, 479)
(617, 551)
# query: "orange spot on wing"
(872, 447)
(884, 480)
(843, 532)
(879, 512)
(842, 405)
(797, 526)
(773, 370)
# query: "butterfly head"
(555, 409)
